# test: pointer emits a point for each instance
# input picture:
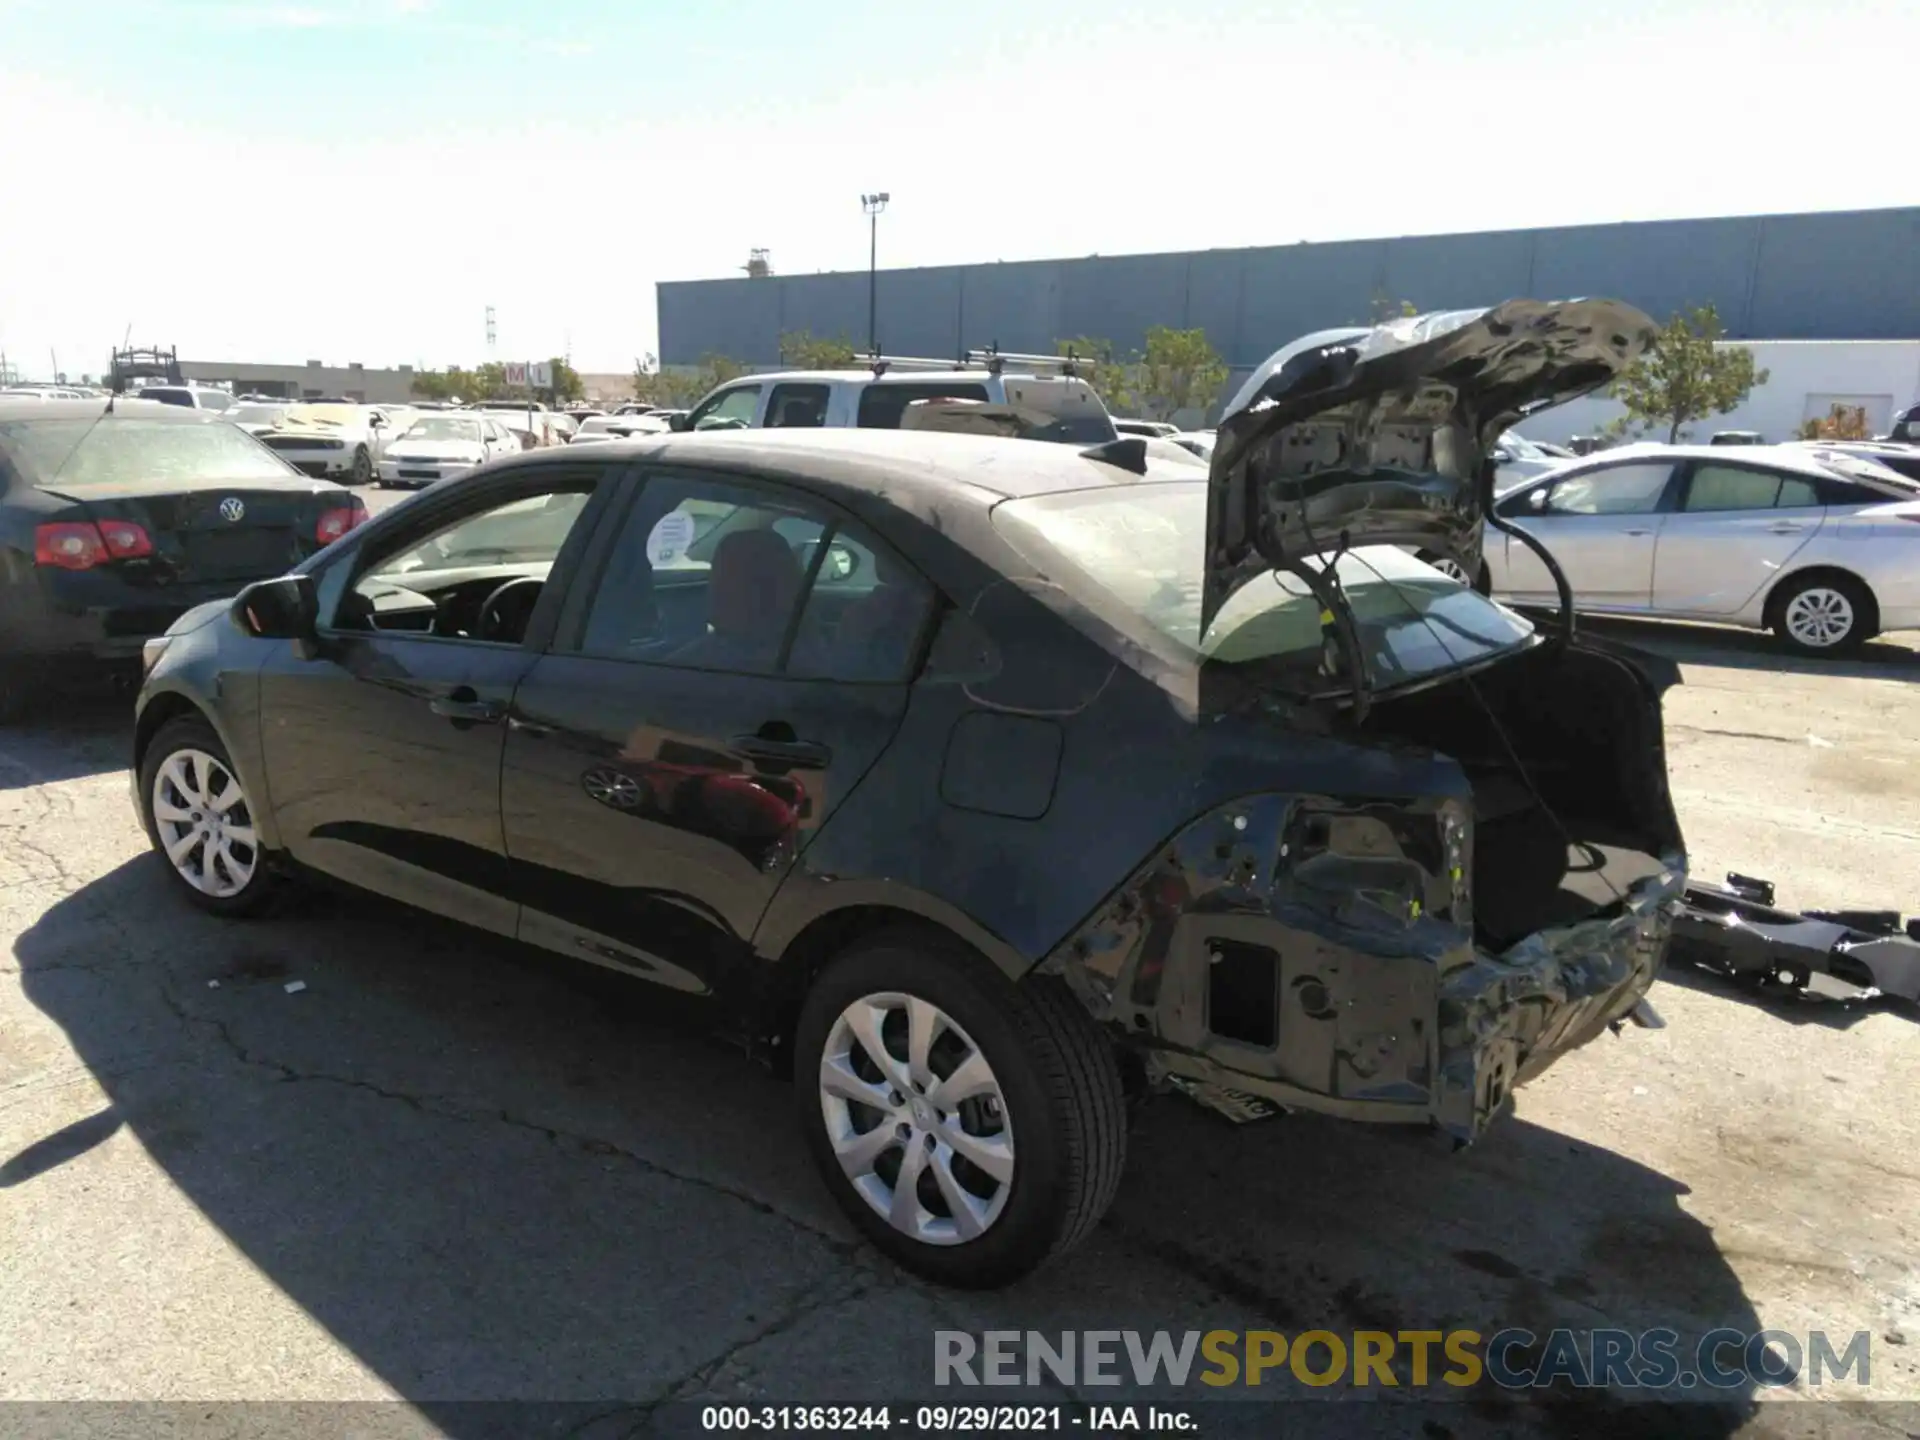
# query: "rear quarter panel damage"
(1379, 1004)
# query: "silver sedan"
(1826, 554)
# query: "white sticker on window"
(671, 536)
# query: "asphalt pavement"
(445, 1171)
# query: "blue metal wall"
(1850, 275)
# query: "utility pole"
(873, 205)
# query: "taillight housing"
(125, 540)
(338, 521)
(81, 544)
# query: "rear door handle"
(463, 705)
(1786, 527)
(1636, 532)
(803, 754)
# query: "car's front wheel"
(362, 467)
(970, 1127)
(1823, 614)
(201, 820)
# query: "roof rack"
(996, 359)
(992, 359)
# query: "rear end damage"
(1410, 957)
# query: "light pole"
(873, 205)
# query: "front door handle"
(1786, 527)
(801, 754)
(1636, 532)
(464, 707)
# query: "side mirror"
(287, 608)
(1537, 499)
(679, 422)
(1501, 455)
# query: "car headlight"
(151, 651)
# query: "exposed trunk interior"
(1584, 813)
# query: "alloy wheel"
(1451, 568)
(916, 1118)
(1819, 618)
(205, 827)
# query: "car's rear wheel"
(201, 821)
(970, 1127)
(362, 467)
(1823, 614)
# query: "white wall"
(1805, 379)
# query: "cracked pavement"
(450, 1171)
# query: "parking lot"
(445, 1172)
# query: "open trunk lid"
(1382, 436)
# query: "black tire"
(1793, 609)
(262, 888)
(362, 467)
(1064, 1103)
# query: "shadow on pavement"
(1825, 1002)
(490, 1185)
(1881, 659)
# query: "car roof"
(11, 409)
(889, 462)
(1773, 457)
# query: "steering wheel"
(505, 612)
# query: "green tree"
(1686, 375)
(1841, 422)
(677, 389)
(1180, 370)
(1384, 308)
(1110, 374)
(567, 385)
(802, 350)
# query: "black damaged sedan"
(982, 783)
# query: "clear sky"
(359, 179)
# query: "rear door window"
(795, 405)
(882, 403)
(1734, 487)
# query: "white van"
(1066, 407)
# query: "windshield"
(115, 451)
(443, 427)
(1144, 546)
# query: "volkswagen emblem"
(233, 509)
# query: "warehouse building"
(1845, 275)
(309, 381)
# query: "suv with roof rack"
(1045, 393)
